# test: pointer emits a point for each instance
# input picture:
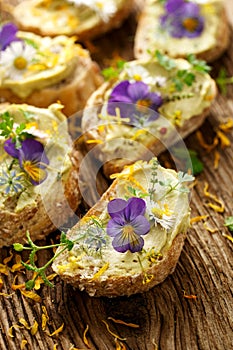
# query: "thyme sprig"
(40, 271)
(178, 186)
(154, 178)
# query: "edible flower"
(127, 224)
(7, 35)
(182, 19)
(135, 101)
(161, 215)
(139, 73)
(32, 158)
(16, 59)
(11, 181)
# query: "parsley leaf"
(183, 77)
(198, 65)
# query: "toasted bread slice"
(116, 142)
(209, 45)
(86, 20)
(104, 265)
(59, 70)
(25, 205)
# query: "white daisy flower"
(16, 59)
(160, 214)
(160, 81)
(105, 9)
(138, 73)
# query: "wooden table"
(191, 310)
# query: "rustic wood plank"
(167, 320)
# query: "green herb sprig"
(181, 179)
(229, 223)
(198, 65)
(113, 72)
(8, 129)
(65, 243)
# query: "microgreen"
(229, 223)
(113, 72)
(165, 61)
(198, 65)
(183, 77)
(222, 81)
(34, 249)
(9, 130)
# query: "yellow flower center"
(128, 230)
(160, 212)
(100, 5)
(20, 63)
(137, 77)
(35, 173)
(190, 24)
(143, 103)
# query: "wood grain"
(191, 310)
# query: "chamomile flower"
(16, 59)
(139, 73)
(105, 9)
(160, 214)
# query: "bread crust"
(72, 92)
(114, 286)
(23, 16)
(142, 41)
(49, 210)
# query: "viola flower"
(161, 215)
(127, 224)
(9, 147)
(8, 35)
(32, 158)
(134, 101)
(182, 19)
(16, 59)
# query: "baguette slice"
(39, 209)
(94, 264)
(209, 46)
(60, 70)
(87, 21)
(116, 143)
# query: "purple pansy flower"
(135, 101)
(127, 224)
(7, 35)
(182, 19)
(32, 158)
(9, 147)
